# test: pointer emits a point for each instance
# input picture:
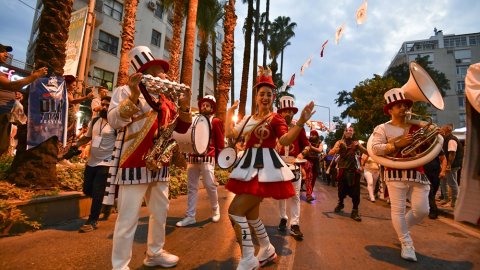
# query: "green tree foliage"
(365, 103)
(401, 73)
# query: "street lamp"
(328, 113)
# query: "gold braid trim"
(127, 108)
(139, 137)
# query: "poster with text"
(75, 40)
(47, 111)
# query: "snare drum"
(197, 138)
(227, 157)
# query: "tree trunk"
(189, 48)
(246, 61)
(176, 44)
(37, 166)
(255, 55)
(232, 87)
(213, 37)
(227, 58)
(128, 39)
(281, 66)
(203, 61)
(265, 34)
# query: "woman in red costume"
(260, 173)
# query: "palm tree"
(176, 42)
(265, 32)
(283, 29)
(255, 52)
(209, 13)
(128, 39)
(189, 44)
(37, 166)
(246, 58)
(227, 58)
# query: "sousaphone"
(427, 143)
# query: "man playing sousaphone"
(204, 165)
(143, 117)
(388, 139)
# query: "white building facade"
(451, 55)
(153, 29)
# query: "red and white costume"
(261, 171)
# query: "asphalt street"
(332, 240)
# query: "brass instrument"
(427, 142)
(164, 146)
(171, 90)
(427, 134)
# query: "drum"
(227, 157)
(197, 138)
(294, 165)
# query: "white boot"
(216, 214)
(266, 253)
(242, 231)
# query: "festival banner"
(47, 111)
(76, 33)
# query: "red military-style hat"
(264, 77)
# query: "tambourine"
(227, 157)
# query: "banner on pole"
(76, 33)
(47, 111)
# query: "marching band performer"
(348, 174)
(205, 165)
(142, 119)
(387, 139)
(300, 145)
(260, 172)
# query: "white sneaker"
(266, 255)
(408, 253)
(186, 221)
(248, 264)
(164, 259)
(216, 215)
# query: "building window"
(461, 102)
(158, 10)
(156, 38)
(113, 9)
(108, 43)
(474, 40)
(103, 77)
(167, 44)
(461, 117)
(460, 87)
(462, 71)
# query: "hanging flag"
(362, 13)
(323, 47)
(292, 80)
(339, 33)
(306, 65)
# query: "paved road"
(332, 241)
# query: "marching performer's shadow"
(392, 256)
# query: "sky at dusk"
(363, 50)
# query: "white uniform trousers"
(130, 199)
(402, 221)
(206, 170)
(293, 204)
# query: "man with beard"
(348, 175)
(204, 165)
(297, 149)
(103, 137)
